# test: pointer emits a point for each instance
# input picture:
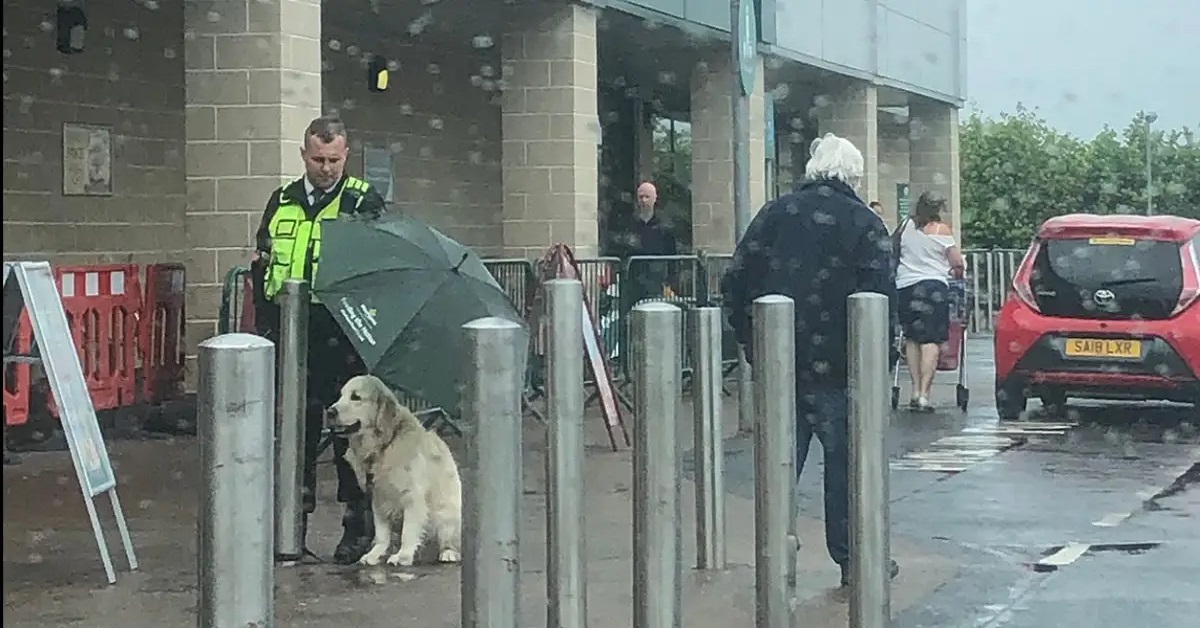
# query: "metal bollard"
(774, 458)
(236, 411)
(291, 422)
(870, 554)
(707, 436)
(657, 561)
(566, 549)
(491, 412)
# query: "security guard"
(289, 247)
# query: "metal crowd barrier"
(600, 277)
(989, 275)
(674, 279)
(612, 288)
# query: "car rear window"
(1108, 278)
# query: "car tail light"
(1022, 284)
(1191, 277)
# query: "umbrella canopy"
(401, 290)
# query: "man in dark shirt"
(818, 245)
(643, 232)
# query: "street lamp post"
(744, 41)
(1150, 118)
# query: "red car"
(1102, 307)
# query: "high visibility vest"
(296, 240)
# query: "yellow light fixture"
(377, 74)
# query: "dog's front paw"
(372, 557)
(450, 556)
(401, 559)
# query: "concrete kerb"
(51, 570)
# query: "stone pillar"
(253, 84)
(933, 156)
(851, 111)
(550, 130)
(712, 153)
(644, 141)
(893, 162)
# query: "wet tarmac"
(1087, 519)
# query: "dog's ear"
(387, 417)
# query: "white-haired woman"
(818, 245)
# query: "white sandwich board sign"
(30, 285)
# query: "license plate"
(1113, 241)
(1104, 348)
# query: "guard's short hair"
(835, 157)
(325, 128)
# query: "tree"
(1017, 171)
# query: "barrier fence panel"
(519, 281)
(601, 291)
(989, 276)
(517, 278)
(237, 302)
(162, 332)
(17, 375)
(103, 304)
(674, 279)
(714, 268)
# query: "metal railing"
(613, 287)
(989, 276)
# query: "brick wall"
(893, 162)
(128, 78)
(253, 83)
(440, 118)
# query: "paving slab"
(53, 576)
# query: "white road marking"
(974, 445)
(1065, 556)
(1112, 519)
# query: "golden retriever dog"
(408, 471)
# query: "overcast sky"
(1085, 63)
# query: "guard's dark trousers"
(332, 361)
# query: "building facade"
(509, 124)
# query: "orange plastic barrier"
(17, 377)
(162, 333)
(103, 304)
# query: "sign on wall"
(902, 202)
(87, 160)
(377, 170)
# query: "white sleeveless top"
(922, 257)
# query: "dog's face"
(359, 406)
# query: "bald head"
(647, 197)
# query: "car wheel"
(1010, 403)
(1054, 402)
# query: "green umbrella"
(401, 291)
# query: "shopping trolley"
(951, 357)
